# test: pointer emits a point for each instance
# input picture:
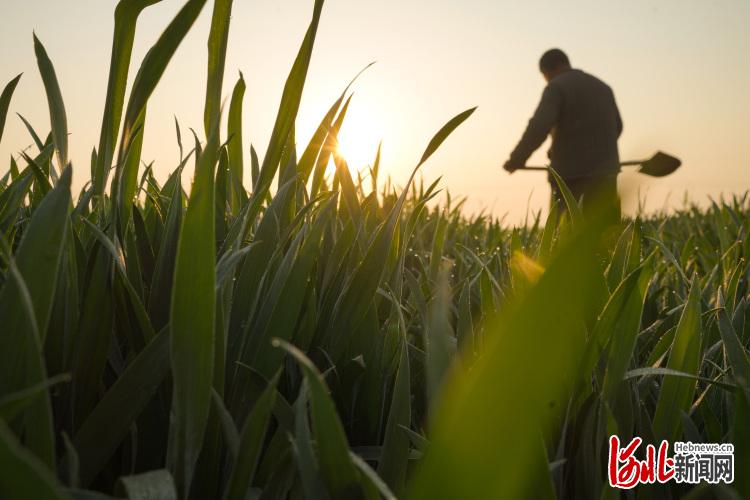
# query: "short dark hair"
(553, 59)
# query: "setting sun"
(360, 134)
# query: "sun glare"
(360, 135)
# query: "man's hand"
(511, 166)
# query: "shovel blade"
(660, 165)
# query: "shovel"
(659, 165)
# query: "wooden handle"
(622, 164)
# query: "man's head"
(552, 63)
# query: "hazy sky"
(679, 69)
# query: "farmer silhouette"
(579, 111)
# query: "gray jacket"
(580, 113)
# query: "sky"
(679, 69)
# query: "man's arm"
(545, 117)
(618, 118)
(619, 122)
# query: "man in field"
(579, 112)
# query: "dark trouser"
(595, 193)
